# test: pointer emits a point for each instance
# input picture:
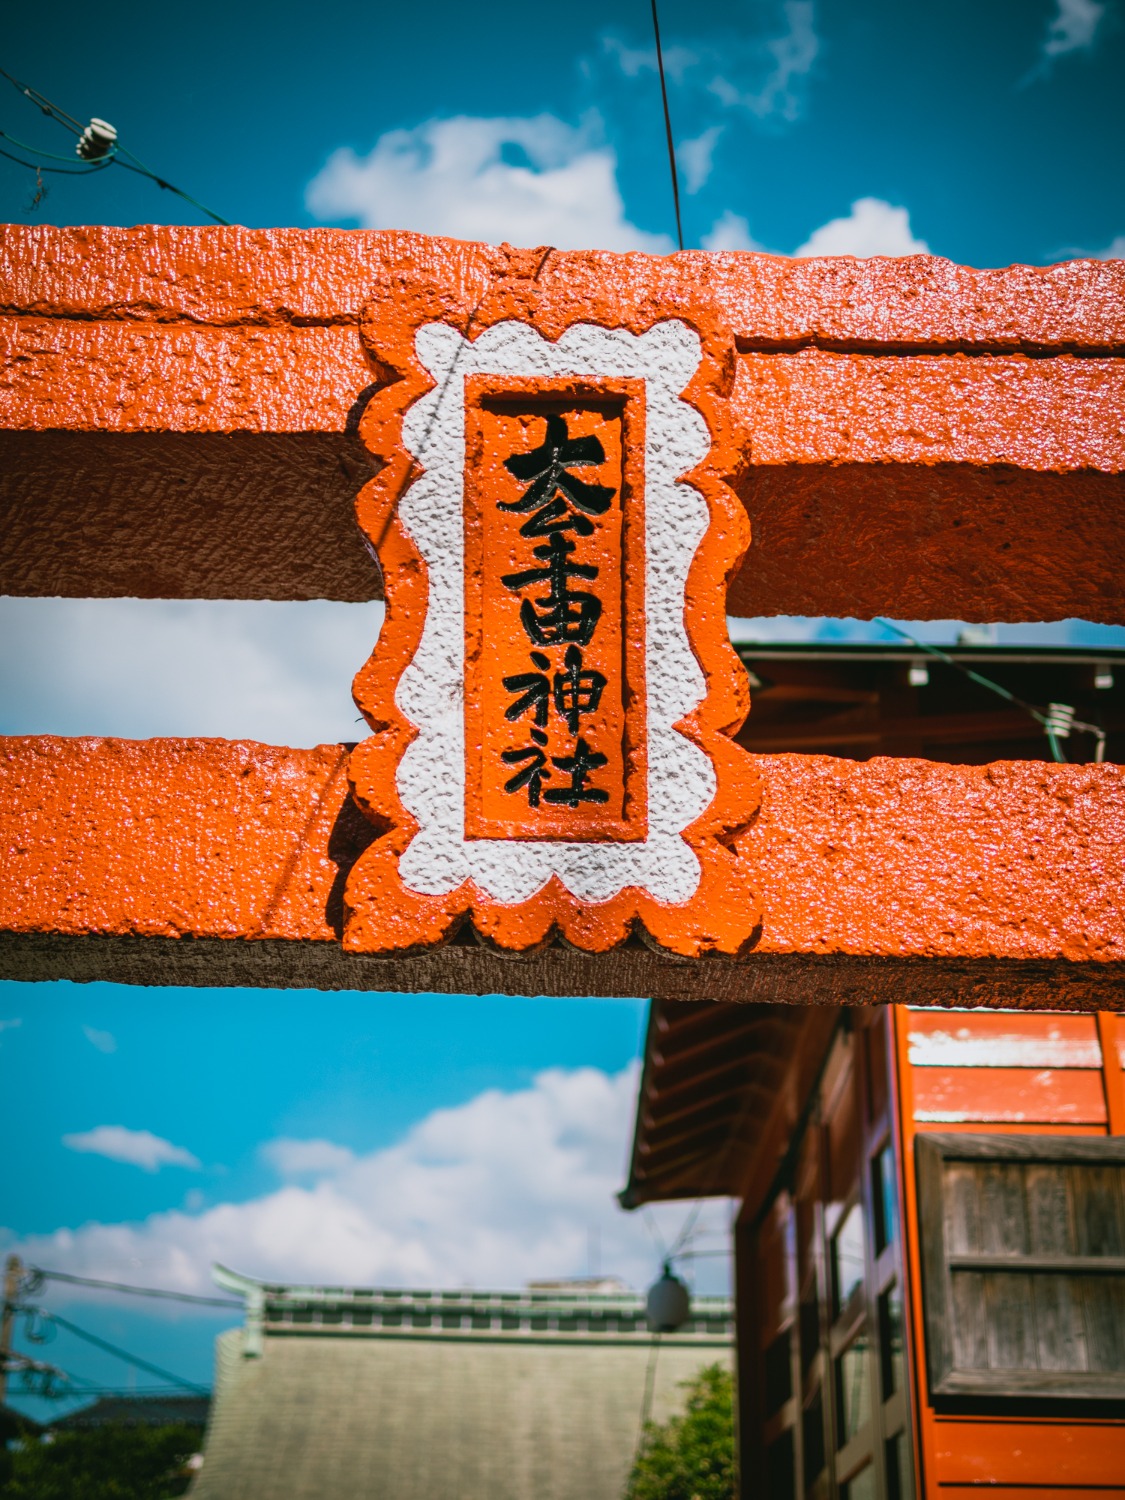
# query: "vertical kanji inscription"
(554, 691)
(554, 612)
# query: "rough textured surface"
(175, 515)
(215, 862)
(815, 406)
(1041, 415)
(427, 1418)
(465, 968)
(682, 884)
(277, 277)
(143, 377)
(928, 542)
(680, 782)
(1021, 859)
(856, 379)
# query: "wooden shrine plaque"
(553, 692)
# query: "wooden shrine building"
(930, 1242)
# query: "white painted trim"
(944, 1049)
(431, 774)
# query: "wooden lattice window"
(1023, 1258)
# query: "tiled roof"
(527, 1314)
(467, 1396)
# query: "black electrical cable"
(143, 171)
(130, 1359)
(668, 126)
(133, 1291)
(70, 123)
(49, 155)
(1049, 724)
(44, 103)
(35, 166)
(646, 1400)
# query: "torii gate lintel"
(917, 439)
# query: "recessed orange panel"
(555, 734)
(1009, 1095)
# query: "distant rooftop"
(482, 1395)
(1082, 635)
(137, 1411)
(602, 1309)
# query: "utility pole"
(13, 1274)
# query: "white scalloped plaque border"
(431, 774)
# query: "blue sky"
(994, 126)
(420, 1138)
(220, 1072)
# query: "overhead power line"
(1057, 719)
(126, 1289)
(97, 144)
(668, 126)
(123, 1354)
(84, 1389)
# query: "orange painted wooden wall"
(1023, 1072)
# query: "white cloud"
(696, 157)
(1073, 26)
(1115, 250)
(10, 1025)
(531, 181)
(280, 673)
(635, 60)
(730, 232)
(791, 54)
(293, 1158)
(104, 1041)
(497, 1191)
(139, 1148)
(873, 227)
(756, 72)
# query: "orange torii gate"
(184, 415)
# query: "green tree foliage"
(690, 1457)
(103, 1463)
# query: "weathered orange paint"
(1112, 1044)
(935, 1039)
(960, 872)
(384, 914)
(1044, 415)
(1034, 414)
(1052, 1457)
(232, 839)
(308, 277)
(143, 377)
(893, 429)
(1020, 1457)
(168, 838)
(1012, 1096)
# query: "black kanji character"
(547, 466)
(577, 766)
(563, 614)
(533, 774)
(534, 689)
(576, 691)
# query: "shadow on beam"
(632, 970)
(269, 516)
